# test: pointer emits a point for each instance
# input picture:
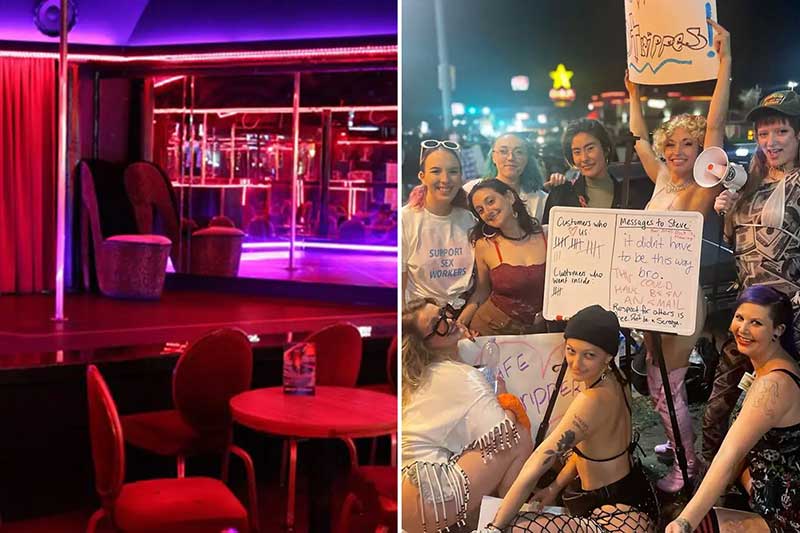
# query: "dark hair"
(531, 179)
(593, 128)
(528, 223)
(780, 311)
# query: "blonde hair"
(695, 125)
(416, 355)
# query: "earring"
(774, 338)
(515, 214)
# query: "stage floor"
(99, 322)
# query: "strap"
(790, 374)
(497, 247)
(540, 435)
(634, 436)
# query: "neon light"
(367, 142)
(274, 110)
(161, 83)
(320, 246)
(355, 52)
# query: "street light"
(792, 85)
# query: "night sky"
(491, 40)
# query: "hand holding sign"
(671, 41)
(722, 41)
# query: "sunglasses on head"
(441, 326)
(431, 144)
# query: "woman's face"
(510, 155)
(442, 175)
(681, 151)
(585, 360)
(494, 208)
(428, 321)
(754, 330)
(588, 155)
(779, 143)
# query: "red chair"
(184, 504)
(207, 375)
(372, 490)
(339, 350)
(390, 387)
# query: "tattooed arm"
(572, 429)
(763, 408)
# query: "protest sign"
(529, 366)
(643, 265)
(670, 41)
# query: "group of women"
(473, 264)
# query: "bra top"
(629, 449)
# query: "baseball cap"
(784, 102)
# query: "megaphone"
(712, 168)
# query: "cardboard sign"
(643, 265)
(528, 365)
(670, 41)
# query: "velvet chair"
(213, 251)
(127, 265)
(183, 504)
(339, 351)
(208, 374)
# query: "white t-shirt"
(437, 256)
(534, 201)
(453, 408)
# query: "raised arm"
(650, 161)
(761, 411)
(483, 285)
(718, 110)
(578, 423)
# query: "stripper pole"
(61, 177)
(295, 160)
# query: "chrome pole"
(295, 160)
(61, 178)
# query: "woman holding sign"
(460, 441)
(669, 163)
(437, 258)
(604, 488)
(510, 253)
(761, 449)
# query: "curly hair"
(593, 128)
(531, 179)
(695, 125)
(529, 224)
(416, 355)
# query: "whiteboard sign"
(643, 265)
(528, 365)
(670, 41)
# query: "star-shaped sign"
(561, 77)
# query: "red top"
(333, 412)
(517, 290)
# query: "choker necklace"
(524, 236)
(671, 188)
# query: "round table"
(333, 412)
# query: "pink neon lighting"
(353, 52)
(367, 142)
(167, 81)
(227, 111)
(321, 246)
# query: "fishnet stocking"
(607, 519)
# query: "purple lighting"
(321, 246)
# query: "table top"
(332, 412)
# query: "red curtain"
(28, 167)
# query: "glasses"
(516, 152)
(442, 325)
(431, 144)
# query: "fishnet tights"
(607, 519)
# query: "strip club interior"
(198, 265)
